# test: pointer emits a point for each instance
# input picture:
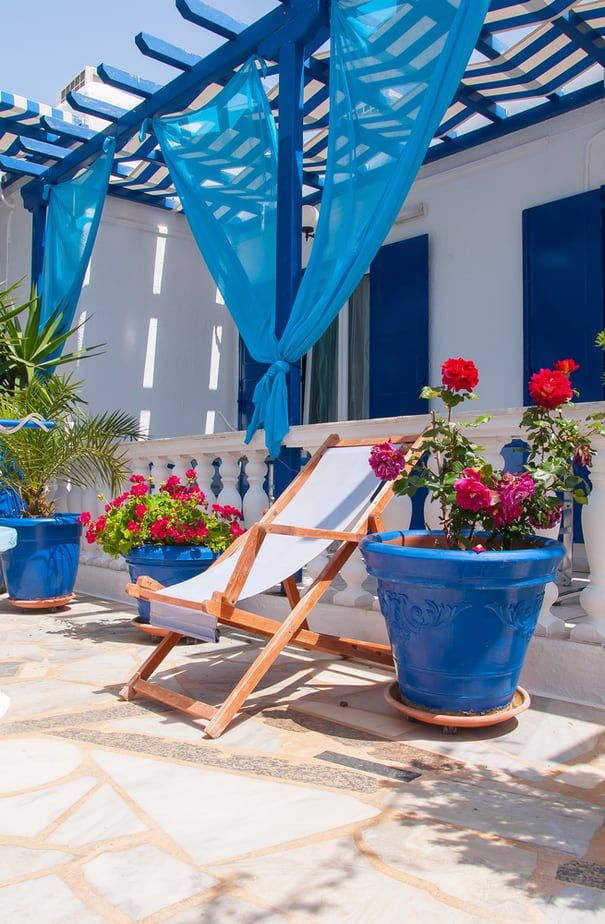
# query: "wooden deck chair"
(335, 498)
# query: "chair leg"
(156, 657)
(255, 673)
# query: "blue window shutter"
(563, 288)
(564, 299)
(399, 327)
(249, 373)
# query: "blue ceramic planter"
(459, 622)
(168, 564)
(44, 563)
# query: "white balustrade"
(592, 598)
(352, 587)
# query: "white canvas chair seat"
(335, 499)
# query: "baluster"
(314, 569)
(180, 464)
(398, 514)
(159, 471)
(255, 500)
(492, 451)
(354, 574)
(432, 508)
(592, 598)
(205, 471)
(230, 471)
(549, 625)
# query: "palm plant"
(80, 449)
(30, 347)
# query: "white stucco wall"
(146, 272)
(473, 212)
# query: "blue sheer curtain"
(223, 162)
(74, 214)
(394, 68)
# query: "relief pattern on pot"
(411, 618)
(520, 616)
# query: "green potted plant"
(461, 603)
(83, 450)
(170, 535)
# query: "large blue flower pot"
(168, 564)
(44, 563)
(459, 622)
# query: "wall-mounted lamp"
(310, 216)
(411, 212)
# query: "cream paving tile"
(108, 668)
(251, 735)
(103, 815)
(143, 880)
(215, 815)
(43, 901)
(172, 725)
(30, 813)
(585, 776)
(332, 883)
(227, 910)
(47, 696)
(459, 862)
(519, 813)
(23, 861)
(574, 905)
(29, 762)
(365, 710)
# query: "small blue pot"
(459, 623)
(44, 563)
(168, 564)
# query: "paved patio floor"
(321, 805)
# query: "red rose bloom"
(190, 474)
(566, 366)
(386, 461)
(550, 388)
(459, 374)
(472, 494)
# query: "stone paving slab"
(113, 812)
(44, 901)
(229, 815)
(143, 880)
(561, 823)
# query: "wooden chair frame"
(294, 629)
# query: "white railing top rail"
(504, 424)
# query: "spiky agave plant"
(31, 346)
(84, 450)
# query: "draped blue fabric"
(394, 68)
(74, 214)
(223, 162)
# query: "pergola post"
(289, 200)
(38, 210)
